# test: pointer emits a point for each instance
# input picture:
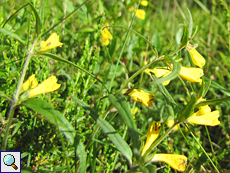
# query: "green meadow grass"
(44, 142)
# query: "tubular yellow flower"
(191, 74)
(205, 117)
(106, 35)
(30, 83)
(144, 3)
(176, 161)
(50, 43)
(141, 96)
(159, 72)
(140, 14)
(153, 132)
(46, 86)
(197, 58)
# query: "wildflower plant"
(91, 98)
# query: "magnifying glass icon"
(9, 160)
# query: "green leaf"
(11, 34)
(55, 57)
(81, 153)
(38, 20)
(175, 72)
(53, 116)
(213, 101)
(190, 24)
(165, 93)
(184, 39)
(187, 110)
(117, 140)
(124, 109)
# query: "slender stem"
(204, 152)
(16, 96)
(138, 72)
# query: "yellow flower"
(176, 161)
(170, 124)
(144, 3)
(153, 132)
(106, 35)
(159, 72)
(191, 74)
(140, 14)
(30, 83)
(50, 43)
(197, 58)
(141, 96)
(46, 86)
(205, 117)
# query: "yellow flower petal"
(106, 35)
(153, 132)
(176, 161)
(50, 43)
(134, 111)
(141, 96)
(208, 119)
(46, 86)
(191, 74)
(197, 58)
(144, 3)
(140, 14)
(30, 83)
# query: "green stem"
(138, 72)
(16, 96)
(194, 137)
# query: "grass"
(56, 131)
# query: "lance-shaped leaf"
(175, 72)
(81, 153)
(213, 101)
(47, 112)
(55, 57)
(124, 109)
(117, 140)
(190, 23)
(38, 21)
(11, 34)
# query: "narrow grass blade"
(14, 14)
(124, 109)
(38, 20)
(117, 140)
(53, 116)
(62, 20)
(11, 34)
(55, 57)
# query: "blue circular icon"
(8, 159)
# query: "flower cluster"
(33, 89)
(204, 116)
